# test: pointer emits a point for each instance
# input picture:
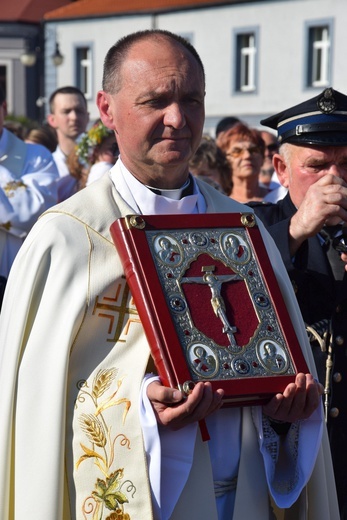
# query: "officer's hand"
(298, 401)
(325, 202)
(174, 410)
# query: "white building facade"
(260, 57)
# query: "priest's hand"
(174, 410)
(298, 401)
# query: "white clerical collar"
(176, 193)
(142, 200)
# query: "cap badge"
(326, 103)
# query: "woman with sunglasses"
(244, 148)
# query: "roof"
(99, 8)
(29, 11)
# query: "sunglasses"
(237, 152)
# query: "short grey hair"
(117, 54)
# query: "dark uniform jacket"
(319, 299)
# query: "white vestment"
(72, 361)
(28, 178)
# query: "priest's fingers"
(177, 413)
(313, 395)
(156, 392)
(298, 401)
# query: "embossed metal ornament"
(326, 103)
(136, 221)
(201, 272)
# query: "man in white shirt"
(28, 177)
(78, 386)
(69, 117)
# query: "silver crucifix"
(218, 305)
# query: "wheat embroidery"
(108, 496)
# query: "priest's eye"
(155, 102)
(192, 101)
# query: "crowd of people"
(45, 164)
(83, 409)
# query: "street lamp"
(57, 57)
(33, 59)
(29, 58)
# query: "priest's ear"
(104, 102)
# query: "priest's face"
(158, 112)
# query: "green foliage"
(23, 120)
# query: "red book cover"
(210, 303)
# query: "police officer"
(308, 226)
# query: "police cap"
(321, 121)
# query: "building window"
(319, 55)
(246, 61)
(84, 70)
